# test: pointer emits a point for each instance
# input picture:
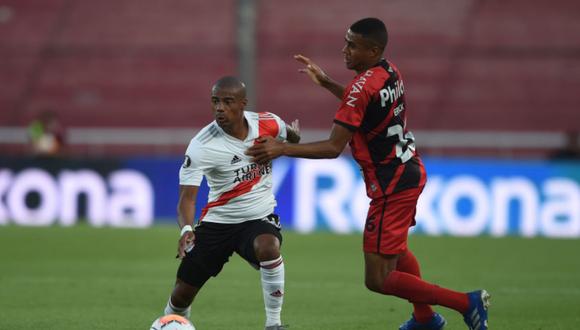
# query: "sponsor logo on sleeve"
(186, 162)
(356, 88)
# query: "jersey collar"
(252, 131)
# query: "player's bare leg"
(267, 249)
(181, 298)
(377, 268)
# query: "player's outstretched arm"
(293, 132)
(319, 77)
(268, 148)
(185, 217)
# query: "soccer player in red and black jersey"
(372, 118)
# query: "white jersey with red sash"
(239, 190)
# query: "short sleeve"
(353, 106)
(191, 171)
(282, 133)
(272, 125)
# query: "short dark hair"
(373, 29)
(231, 82)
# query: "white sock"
(272, 274)
(170, 309)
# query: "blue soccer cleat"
(476, 315)
(437, 323)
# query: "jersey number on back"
(404, 140)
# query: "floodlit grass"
(87, 278)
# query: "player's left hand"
(185, 244)
(265, 149)
(316, 74)
(293, 132)
(295, 126)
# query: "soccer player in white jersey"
(239, 215)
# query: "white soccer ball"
(172, 322)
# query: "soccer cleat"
(476, 315)
(277, 327)
(437, 322)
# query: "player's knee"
(267, 247)
(376, 282)
(373, 284)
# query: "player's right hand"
(185, 244)
(316, 74)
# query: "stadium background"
(492, 88)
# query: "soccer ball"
(172, 322)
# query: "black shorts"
(216, 242)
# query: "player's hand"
(293, 132)
(265, 149)
(316, 74)
(295, 126)
(185, 244)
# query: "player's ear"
(244, 102)
(376, 51)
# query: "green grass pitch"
(87, 278)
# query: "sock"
(272, 275)
(407, 263)
(412, 288)
(183, 311)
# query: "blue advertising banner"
(463, 197)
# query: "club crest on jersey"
(252, 171)
(235, 160)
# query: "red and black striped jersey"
(373, 107)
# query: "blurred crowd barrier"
(487, 77)
(463, 197)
